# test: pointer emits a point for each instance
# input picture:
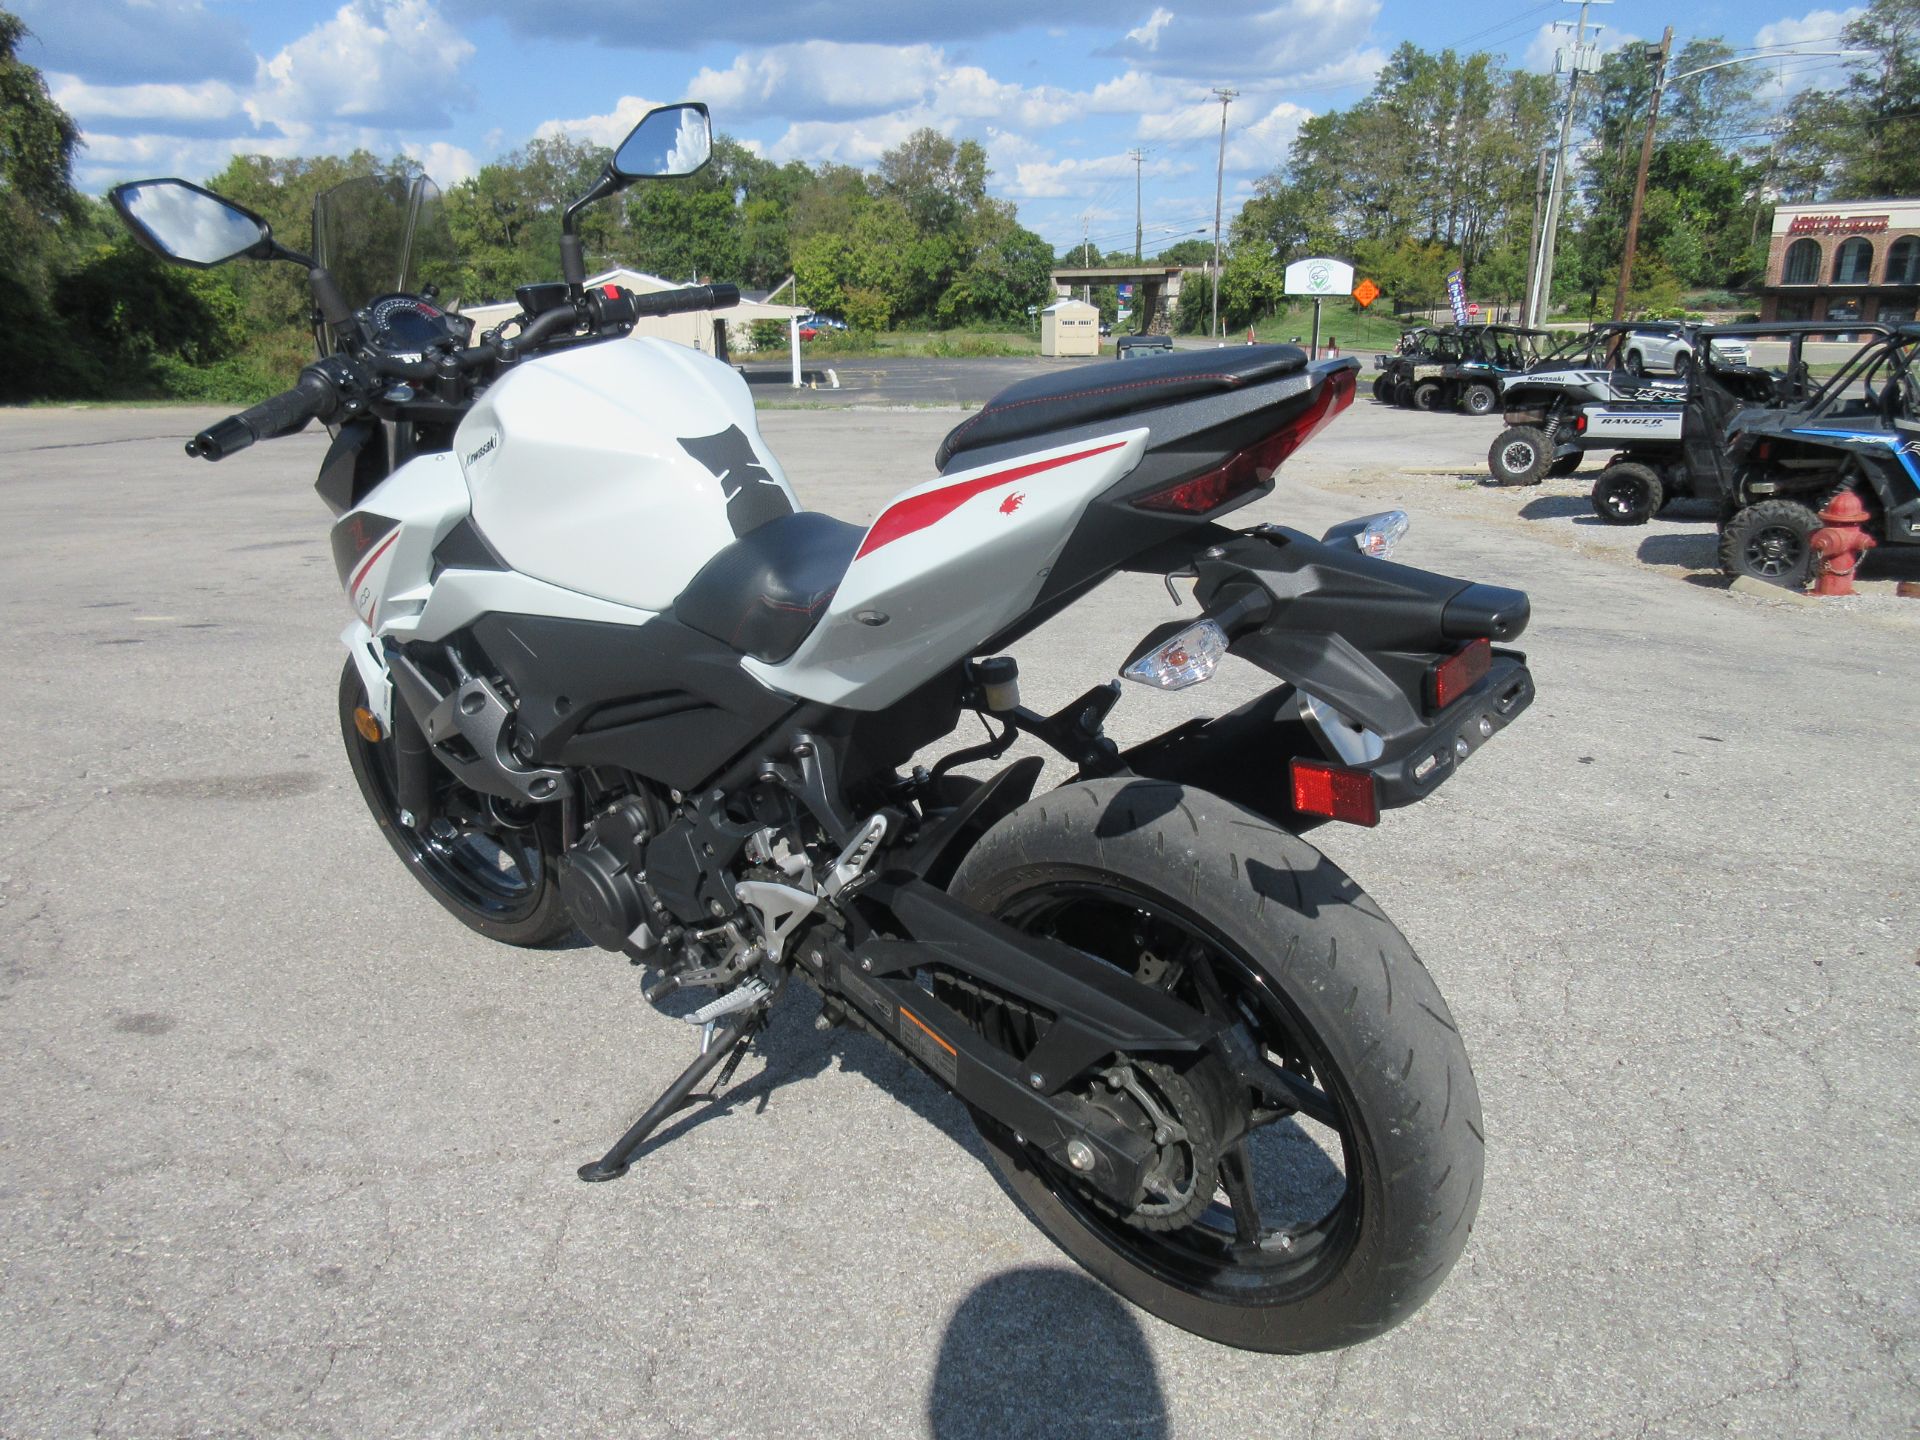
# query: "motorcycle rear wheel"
(1330, 991)
(495, 870)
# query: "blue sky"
(1059, 91)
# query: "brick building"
(1855, 260)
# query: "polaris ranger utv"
(1541, 403)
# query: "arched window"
(1803, 263)
(1903, 261)
(1853, 262)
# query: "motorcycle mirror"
(669, 142)
(188, 224)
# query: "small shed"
(1071, 327)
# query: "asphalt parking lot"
(287, 1151)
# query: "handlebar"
(312, 398)
(608, 311)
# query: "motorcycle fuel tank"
(618, 469)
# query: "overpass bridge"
(1156, 283)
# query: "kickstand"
(730, 1045)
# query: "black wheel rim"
(1775, 551)
(1518, 457)
(1244, 1249)
(483, 853)
(1622, 497)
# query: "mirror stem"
(573, 257)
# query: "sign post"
(1319, 278)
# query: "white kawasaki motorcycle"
(604, 673)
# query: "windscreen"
(385, 234)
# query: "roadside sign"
(1033, 309)
(1319, 277)
(1366, 292)
(1457, 295)
(1473, 307)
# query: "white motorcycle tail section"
(618, 470)
(945, 567)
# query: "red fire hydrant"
(1838, 546)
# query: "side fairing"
(948, 565)
(383, 548)
(617, 470)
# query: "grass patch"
(1357, 330)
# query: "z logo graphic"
(1011, 504)
(753, 496)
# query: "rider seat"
(1090, 393)
(763, 594)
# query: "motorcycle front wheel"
(494, 866)
(1317, 1229)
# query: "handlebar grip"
(693, 297)
(280, 414)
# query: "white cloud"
(1816, 30)
(170, 108)
(1265, 142)
(383, 63)
(607, 130)
(819, 78)
(447, 164)
(1271, 48)
(1147, 36)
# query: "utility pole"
(1086, 253)
(1556, 194)
(1640, 178)
(1533, 239)
(1138, 155)
(1226, 98)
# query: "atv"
(1860, 430)
(1458, 367)
(1541, 402)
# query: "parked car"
(1669, 345)
(1142, 347)
(814, 326)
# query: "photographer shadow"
(1043, 1352)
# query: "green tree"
(1864, 139)
(37, 207)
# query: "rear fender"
(1355, 633)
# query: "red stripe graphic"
(361, 573)
(917, 512)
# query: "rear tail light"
(1449, 679)
(1580, 424)
(1254, 466)
(1335, 791)
(1763, 451)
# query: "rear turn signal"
(1449, 679)
(1335, 792)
